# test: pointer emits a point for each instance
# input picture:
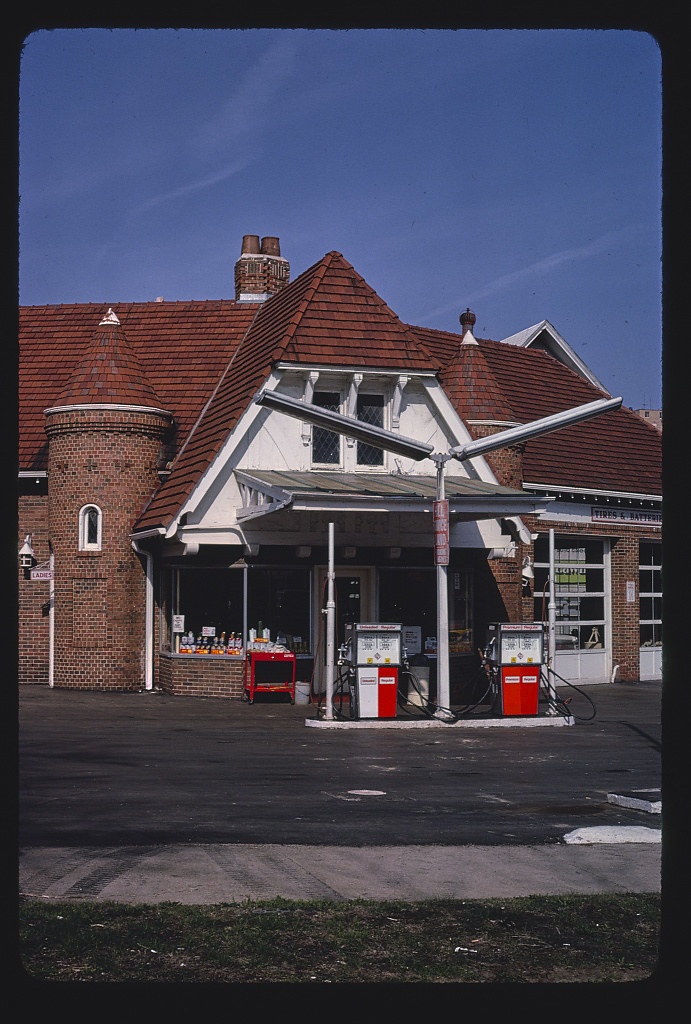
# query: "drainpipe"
(148, 617)
(51, 622)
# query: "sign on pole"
(440, 516)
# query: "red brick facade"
(108, 458)
(201, 676)
(33, 603)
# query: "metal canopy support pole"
(551, 626)
(330, 628)
(443, 688)
(245, 631)
(51, 622)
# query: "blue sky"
(517, 172)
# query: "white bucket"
(302, 693)
(418, 687)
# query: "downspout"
(148, 616)
(51, 622)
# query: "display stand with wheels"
(269, 672)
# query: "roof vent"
(271, 246)
(250, 244)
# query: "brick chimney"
(261, 271)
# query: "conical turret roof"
(109, 373)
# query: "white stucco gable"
(265, 440)
(545, 336)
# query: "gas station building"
(178, 531)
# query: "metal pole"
(245, 633)
(551, 624)
(443, 689)
(330, 628)
(51, 622)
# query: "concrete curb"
(638, 800)
(439, 723)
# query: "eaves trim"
(108, 407)
(551, 489)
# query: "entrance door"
(353, 601)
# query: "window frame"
(85, 519)
(577, 632)
(338, 461)
(654, 596)
(374, 457)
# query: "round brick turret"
(105, 437)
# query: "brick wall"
(33, 596)
(625, 631)
(106, 457)
(201, 676)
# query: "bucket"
(302, 693)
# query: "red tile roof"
(615, 451)
(205, 361)
(327, 316)
(183, 348)
(471, 385)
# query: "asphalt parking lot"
(149, 796)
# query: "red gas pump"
(518, 651)
(374, 653)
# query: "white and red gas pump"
(373, 651)
(518, 651)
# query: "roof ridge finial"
(467, 321)
(109, 318)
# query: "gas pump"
(517, 652)
(373, 653)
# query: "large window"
(326, 444)
(279, 600)
(650, 593)
(370, 409)
(579, 583)
(409, 597)
(212, 602)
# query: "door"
(353, 602)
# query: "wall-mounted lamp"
(527, 575)
(527, 570)
(394, 552)
(26, 554)
(349, 552)
(303, 551)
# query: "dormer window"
(370, 409)
(90, 519)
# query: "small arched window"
(90, 519)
